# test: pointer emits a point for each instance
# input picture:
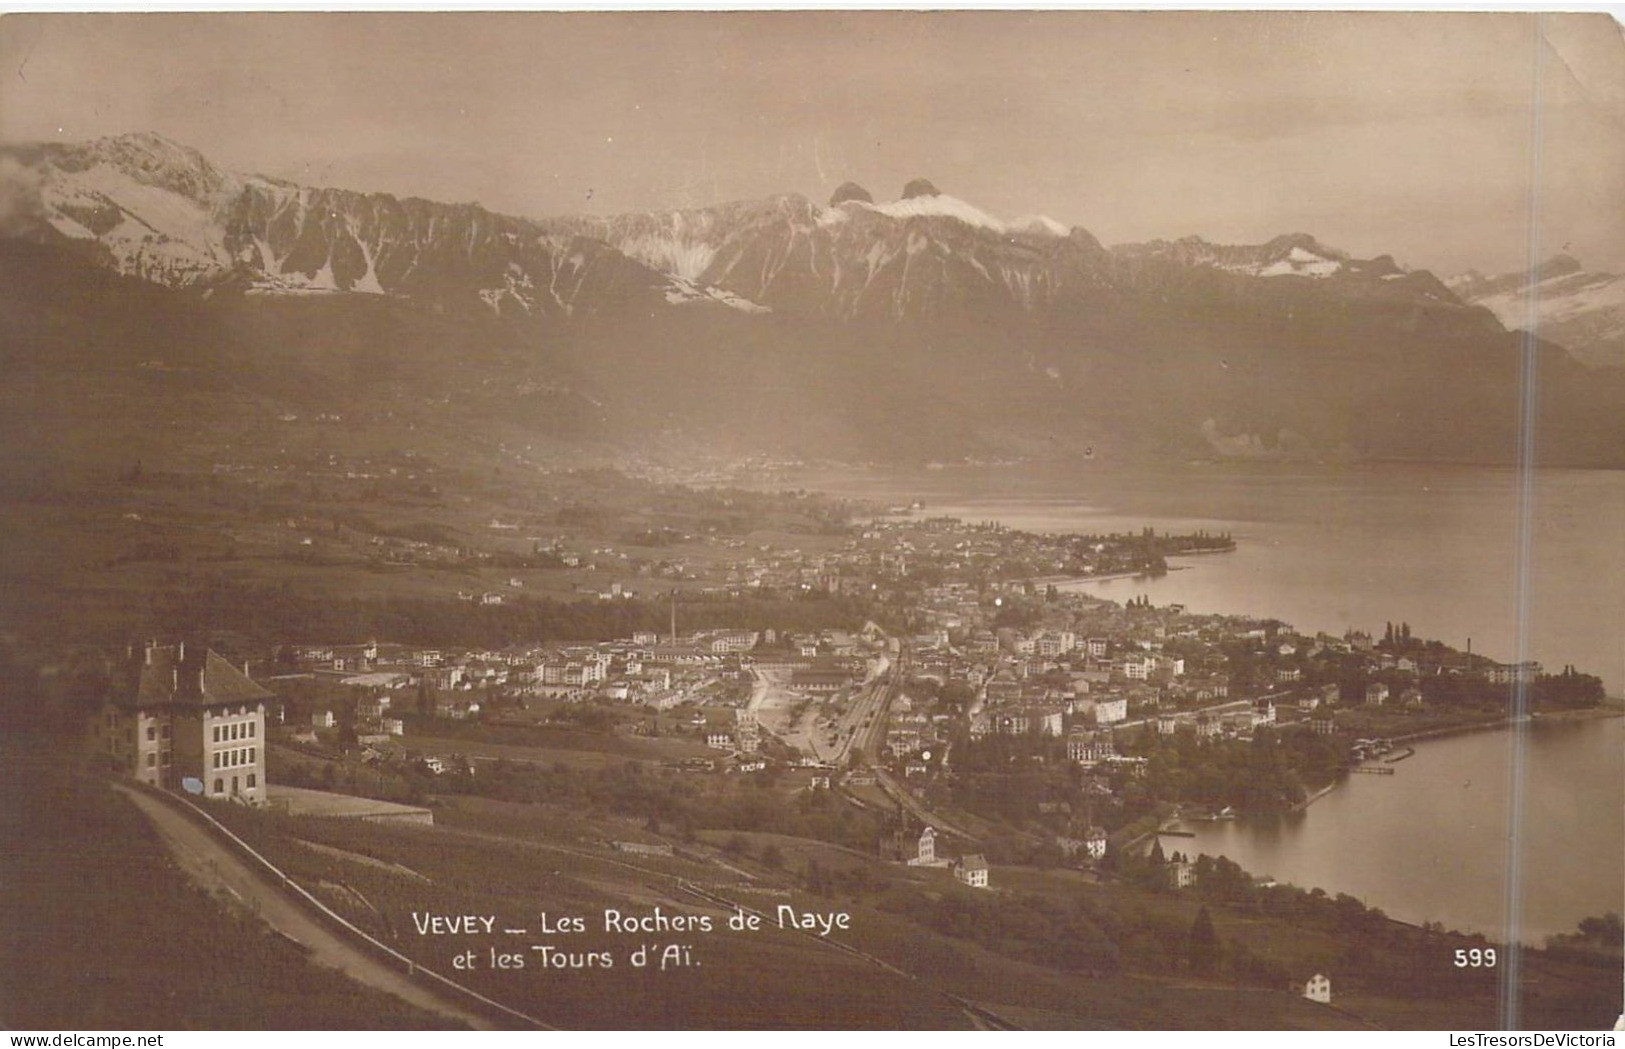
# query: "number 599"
(1475, 958)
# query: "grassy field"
(518, 861)
(769, 978)
(1395, 976)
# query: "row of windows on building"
(225, 759)
(220, 783)
(222, 733)
(235, 730)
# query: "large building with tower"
(182, 712)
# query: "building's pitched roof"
(973, 862)
(181, 675)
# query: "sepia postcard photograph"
(812, 521)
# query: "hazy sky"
(1410, 134)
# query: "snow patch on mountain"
(682, 292)
(670, 253)
(1021, 285)
(69, 226)
(368, 281)
(836, 214)
(1301, 263)
(940, 207)
(1582, 310)
(267, 258)
(516, 287)
(1041, 225)
(284, 286)
(324, 278)
(149, 230)
(1558, 299)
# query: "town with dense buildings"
(931, 723)
(994, 652)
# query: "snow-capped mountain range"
(1582, 309)
(921, 325)
(148, 207)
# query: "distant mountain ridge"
(1583, 310)
(147, 207)
(163, 212)
(825, 329)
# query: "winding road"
(218, 868)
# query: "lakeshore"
(1076, 582)
(1614, 710)
(1444, 532)
(1390, 841)
(1546, 717)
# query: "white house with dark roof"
(972, 870)
(180, 712)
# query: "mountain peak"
(149, 144)
(920, 187)
(147, 140)
(159, 161)
(1286, 242)
(850, 191)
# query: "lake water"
(1432, 841)
(1327, 548)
